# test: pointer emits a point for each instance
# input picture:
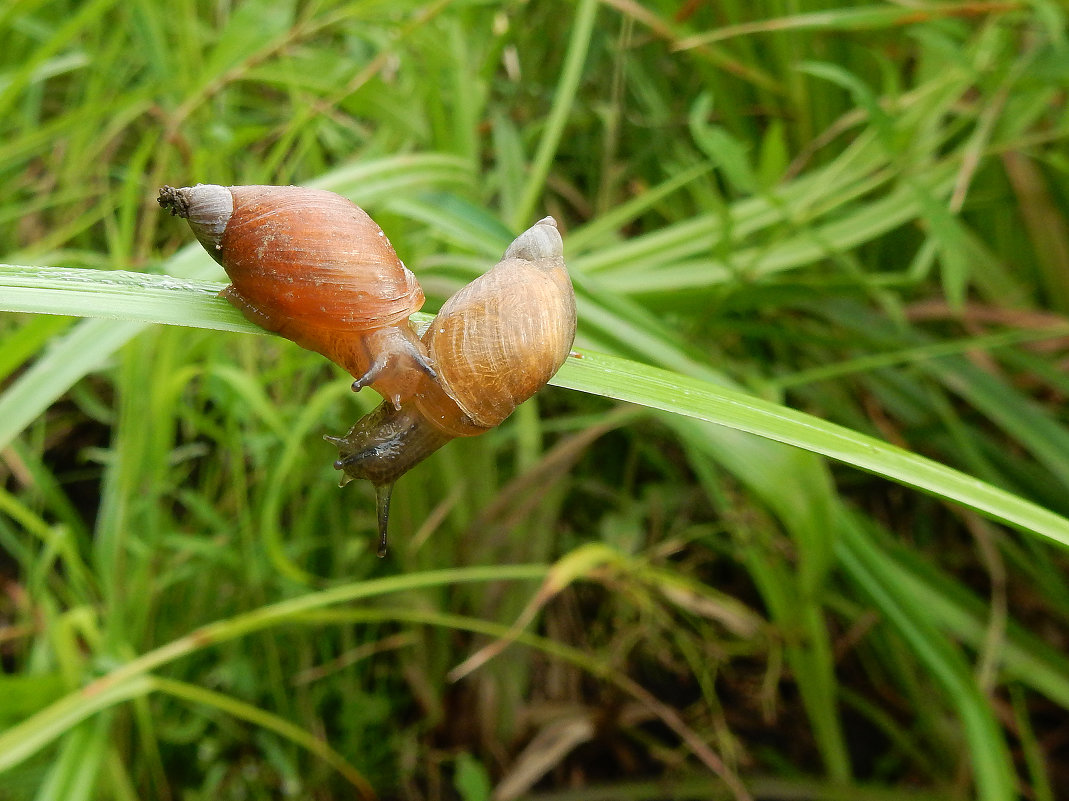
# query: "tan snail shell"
(315, 268)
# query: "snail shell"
(315, 268)
(493, 344)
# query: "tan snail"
(315, 268)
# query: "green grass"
(796, 231)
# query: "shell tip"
(540, 242)
(207, 207)
(174, 201)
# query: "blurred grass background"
(857, 211)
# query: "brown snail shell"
(315, 268)
(493, 344)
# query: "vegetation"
(797, 230)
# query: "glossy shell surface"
(312, 256)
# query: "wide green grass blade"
(119, 295)
(195, 304)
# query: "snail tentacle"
(373, 372)
(403, 356)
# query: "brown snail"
(312, 266)
(492, 346)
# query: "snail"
(303, 263)
(493, 345)
(315, 268)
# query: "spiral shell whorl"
(540, 242)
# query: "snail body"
(316, 269)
